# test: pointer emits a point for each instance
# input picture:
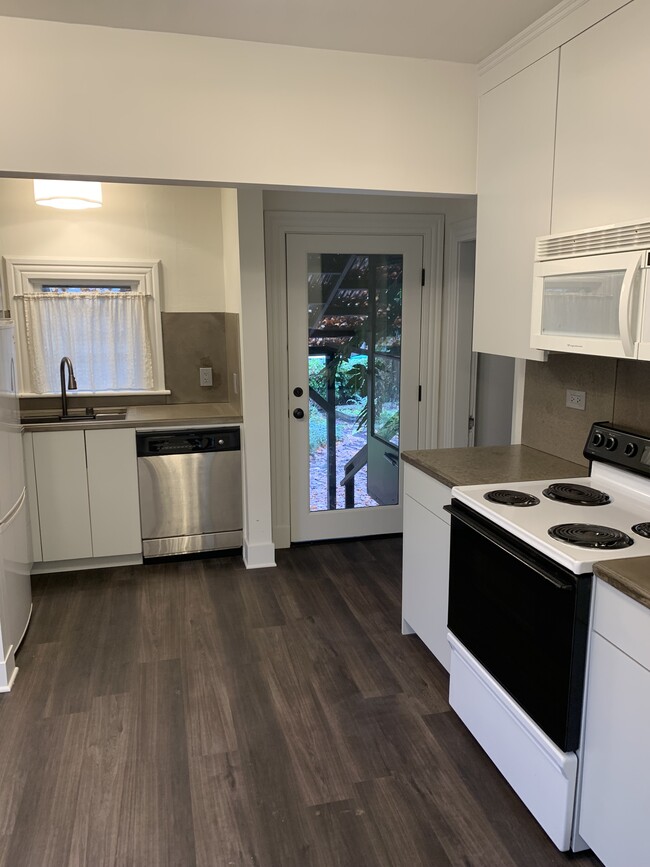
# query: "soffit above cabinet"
(562, 23)
(436, 30)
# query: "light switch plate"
(205, 376)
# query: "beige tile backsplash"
(194, 340)
(617, 391)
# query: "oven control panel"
(611, 445)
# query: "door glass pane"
(354, 339)
(385, 414)
(585, 305)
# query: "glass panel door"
(346, 322)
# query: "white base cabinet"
(616, 747)
(425, 566)
(85, 488)
(113, 492)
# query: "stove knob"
(631, 449)
(611, 443)
(598, 439)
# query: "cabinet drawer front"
(427, 491)
(623, 621)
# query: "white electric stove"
(627, 506)
(521, 563)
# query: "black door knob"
(297, 391)
(298, 413)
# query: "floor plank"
(196, 714)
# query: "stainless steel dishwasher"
(190, 490)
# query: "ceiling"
(459, 30)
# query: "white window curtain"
(105, 335)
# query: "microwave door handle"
(625, 308)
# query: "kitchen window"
(104, 315)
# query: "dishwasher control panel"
(181, 442)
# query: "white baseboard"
(407, 629)
(8, 671)
(86, 563)
(258, 556)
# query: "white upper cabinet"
(602, 173)
(515, 183)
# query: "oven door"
(524, 618)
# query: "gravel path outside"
(348, 443)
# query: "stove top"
(577, 522)
(628, 508)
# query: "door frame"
(279, 224)
(457, 234)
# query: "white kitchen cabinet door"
(113, 492)
(616, 757)
(60, 465)
(514, 182)
(32, 497)
(425, 566)
(601, 163)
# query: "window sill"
(75, 393)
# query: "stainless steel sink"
(54, 418)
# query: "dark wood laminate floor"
(199, 714)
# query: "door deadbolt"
(298, 413)
(297, 392)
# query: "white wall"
(180, 225)
(244, 224)
(231, 269)
(453, 208)
(99, 101)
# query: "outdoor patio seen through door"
(354, 346)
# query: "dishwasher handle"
(182, 442)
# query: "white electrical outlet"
(205, 376)
(575, 399)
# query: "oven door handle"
(510, 549)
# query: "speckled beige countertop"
(163, 415)
(491, 465)
(630, 575)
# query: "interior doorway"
(484, 384)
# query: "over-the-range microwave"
(590, 293)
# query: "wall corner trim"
(260, 556)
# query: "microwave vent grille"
(608, 239)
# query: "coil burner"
(577, 495)
(642, 529)
(511, 498)
(590, 536)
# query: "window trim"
(25, 274)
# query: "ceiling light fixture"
(71, 195)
